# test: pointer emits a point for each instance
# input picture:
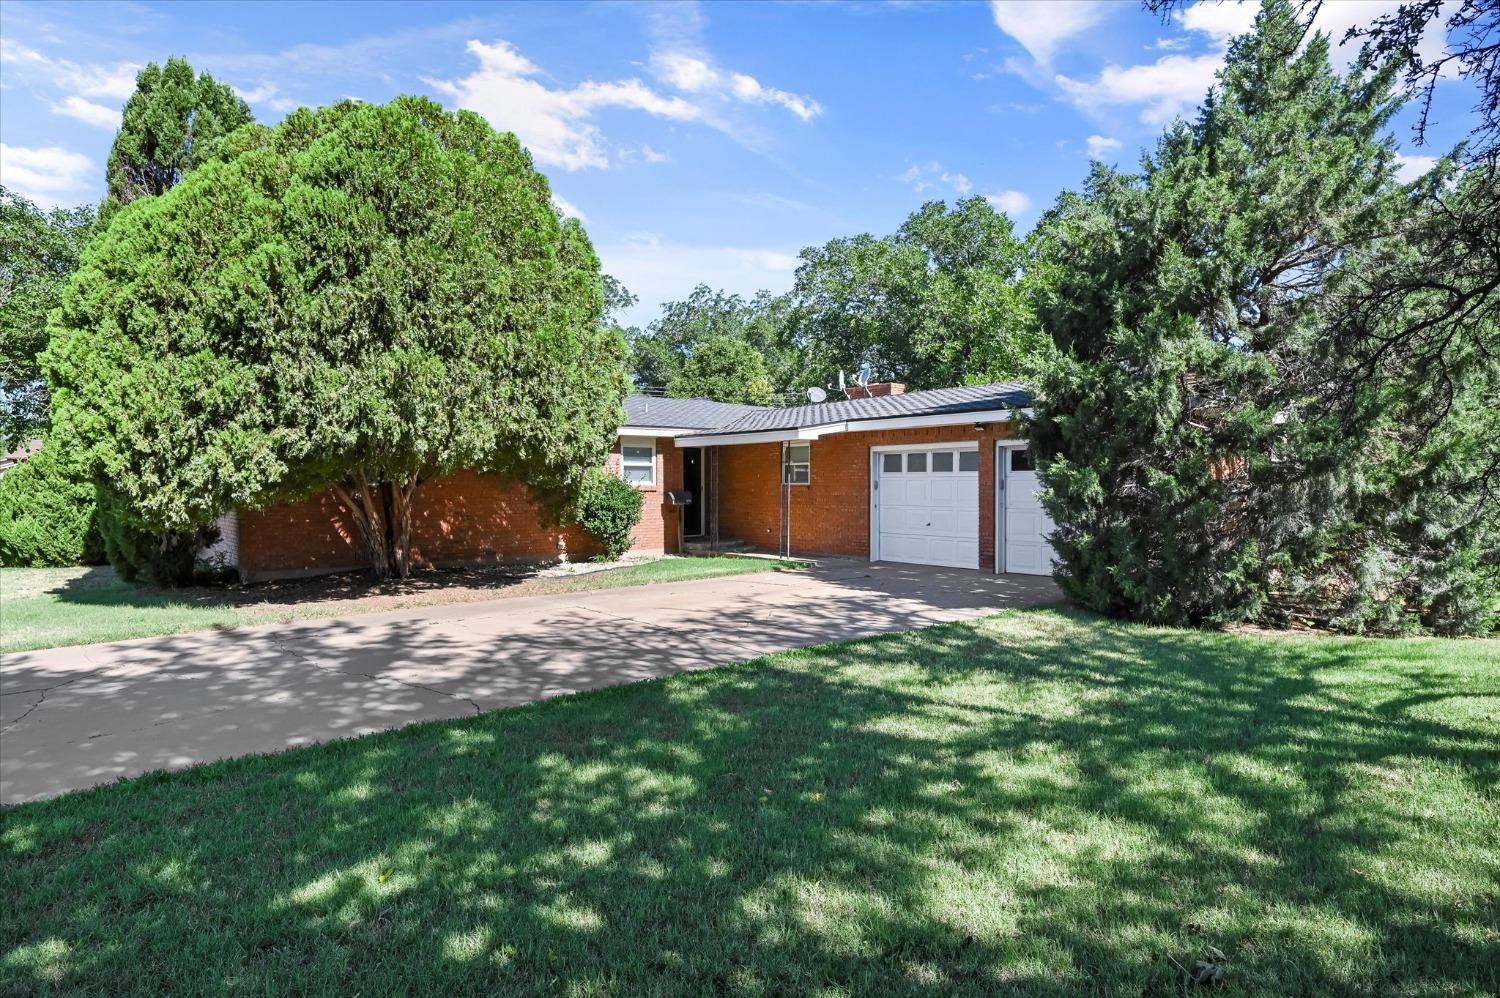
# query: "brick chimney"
(875, 390)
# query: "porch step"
(727, 545)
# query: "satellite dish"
(816, 394)
(863, 377)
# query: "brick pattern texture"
(469, 518)
(464, 518)
(831, 514)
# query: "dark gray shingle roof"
(719, 417)
(682, 414)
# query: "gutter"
(699, 439)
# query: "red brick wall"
(464, 517)
(831, 514)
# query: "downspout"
(784, 521)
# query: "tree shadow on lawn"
(101, 586)
(1042, 803)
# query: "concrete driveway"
(75, 717)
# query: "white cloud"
(555, 124)
(266, 95)
(931, 176)
(566, 207)
(115, 81)
(1219, 21)
(1043, 25)
(696, 75)
(1010, 202)
(1409, 168)
(45, 175)
(88, 112)
(652, 156)
(1165, 88)
(658, 269)
(1100, 145)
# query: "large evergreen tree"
(362, 298)
(169, 125)
(1195, 472)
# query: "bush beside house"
(47, 514)
(608, 508)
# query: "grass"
(1037, 803)
(54, 607)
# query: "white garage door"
(927, 507)
(1026, 522)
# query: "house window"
(890, 462)
(942, 460)
(798, 469)
(1020, 460)
(638, 460)
(916, 461)
(968, 460)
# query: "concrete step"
(727, 545)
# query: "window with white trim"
(798, 467)
(638, 460)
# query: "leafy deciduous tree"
(38, 251)
(940, 302)
(725, 369)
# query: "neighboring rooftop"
(720, 417)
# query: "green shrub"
(608, 508)
(47, 514)
(140, 554)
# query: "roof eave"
(850, 426)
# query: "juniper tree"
(1194, 472)
(362, 298)
(170, 124)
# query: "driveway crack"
(43, 690)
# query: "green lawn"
(53, 607)
(1040, 803)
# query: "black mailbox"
(679, 497)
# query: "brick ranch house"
(930, 478)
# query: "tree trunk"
(382, 516)
(359, 498)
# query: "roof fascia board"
(940, 419)
(653, 431)
(760, 436)
(691, 439)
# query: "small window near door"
(942, 460)
(890, 463)
(798, 470)
(968, 460)
(638, 461)
(916, 461)
(1020, 460)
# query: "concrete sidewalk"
(75, 717)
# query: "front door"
(692, 481)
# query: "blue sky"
(699, 143)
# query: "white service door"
(927, 507)
(1026, 522)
